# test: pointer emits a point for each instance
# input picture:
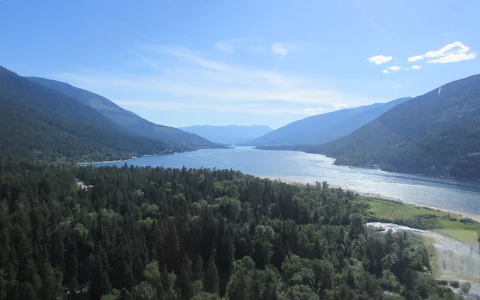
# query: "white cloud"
(415, 58)
(340, 105)
(380, 59)
(394, 68)
(391, 68)
(450, 53)
(280, 49)
(451, 58)
(453, 48)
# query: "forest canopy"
(155, 233)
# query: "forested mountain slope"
(127, 119)
(154, 233)
(325, 127)
(437, 133)
(39, 123)
(230, 134)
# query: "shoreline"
(448, 177)
(379, 197)
(145, 155)
(104, 161)
(334, 186)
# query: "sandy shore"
(379, 196)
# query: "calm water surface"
(461, 196)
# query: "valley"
(112, 189)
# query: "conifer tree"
(185, 279)
(211, 281)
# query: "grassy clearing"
(396, 210)
(466, 236)
(448, 224)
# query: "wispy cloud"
(380, 59)
(385, 71)
(192, 81)
(416, 67)
(280, 49)
(340, 105)
(379, 29)
(450, 53)
(145, 60)
(230, 45)
(225, 46)
(210, 64)
(250, 108)
(313, 111)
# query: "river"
(455, 195)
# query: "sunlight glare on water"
(456, 195)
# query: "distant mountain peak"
(228, 134)
(326, 127)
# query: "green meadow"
(449, 224)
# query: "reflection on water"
(457, 195)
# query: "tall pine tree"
(199, 268)
(185, 284)
(211, 281)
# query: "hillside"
(325, 127)
(437, 133)
(39, 123)
(231, 135)
(127, 119)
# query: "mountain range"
(437, 134)
(230, 135)
(41, 123)
(323, 128)
(127, 119)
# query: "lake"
(455, 195)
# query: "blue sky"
(242, 62)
